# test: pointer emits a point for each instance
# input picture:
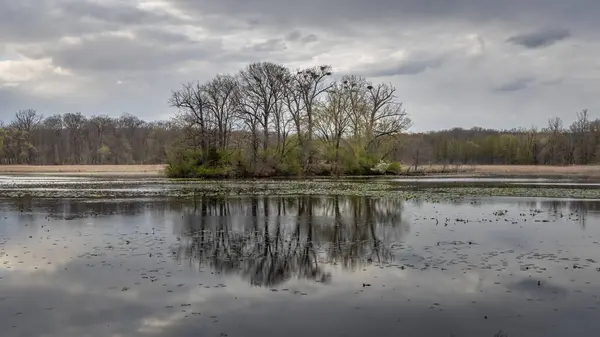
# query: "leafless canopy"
(266, 103)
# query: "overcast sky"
(461, 63)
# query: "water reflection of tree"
(271, 240)
(69, 209)
(575, 210)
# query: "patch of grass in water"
(303, 187)
(575, 193)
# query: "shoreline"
(157, 171)
(148, 171)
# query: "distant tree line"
(269, 120)
(555, 144)
(72, 138)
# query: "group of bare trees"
(72, 138)
(276, 116)
(553, 145)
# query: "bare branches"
(223, 100)
(387, 117)
(309, 84)
(332, 120)
(266, 103)
(192, 104)
(26, 120)
(263, 88)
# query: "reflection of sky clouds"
(531, 287)
(155, 325)
(85, 291)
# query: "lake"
(93, 257)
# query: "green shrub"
(395, 168)
(193, 163)
(184, 170)
(288, 167)
(322, 169)
(214, 163)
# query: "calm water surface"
(299, 266)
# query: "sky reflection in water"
(297, 266)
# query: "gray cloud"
(348, 11)
(162, 37)
(38, 20)
(270, 45)
(410, 67)
(515, 85)
(123, 55)
(539, 39)
(296, 36)
(35, 21)
(118, 53)
(111, 13)
(310, 38)
(553, 81)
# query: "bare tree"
(283, 121)
(533, 144)
(356, 89)
(311, 84)
(580, 129)
(332, 118)
(387, 118)
(295, 107)
(250, 115)
(54, 141)
(375, 114)
(192, 102)
(263, 86)
(99, 127)
(132, 132)
(74, 125)
(223, 99)
(555, 140)
(26, 120)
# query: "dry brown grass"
(526, 170)
(158, 170)
(86, 170)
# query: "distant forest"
(554, 144)
(73, 138)
(270, 120)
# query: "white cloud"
(39, 77)
(19, 71)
